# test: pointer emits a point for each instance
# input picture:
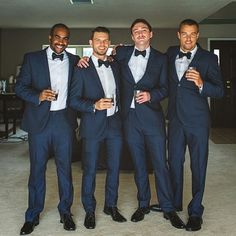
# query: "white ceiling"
(110, 13)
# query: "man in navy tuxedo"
(144, 85)
(43, 84)
(95, 93)
(194, 75)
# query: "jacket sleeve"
(76, 98)
(212, 83)
(161, 91)
(23, 87)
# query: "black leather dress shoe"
(89, 221)
(194, 223)
(114, 212)
(174, 219)
(139, 214)
(28, 226)
(156, 207)
(68, 222)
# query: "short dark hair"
(188, 22)
(59, 25)
(140, 20)
(100, 29)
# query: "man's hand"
(83, 62)
(103, 104)
(47, 95)
(113, 52)
(194, 76)
(143, 97)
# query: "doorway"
(223, 111)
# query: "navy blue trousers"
(141, 142)
(91, 151)
(56, 138)
(196, 139)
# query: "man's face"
(188, 37)
(100, 43)
(59, 40)
(141, 35)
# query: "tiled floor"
(219, 199)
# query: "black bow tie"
(60, 56)
(187, 54)
(105, 63)
(137, 52)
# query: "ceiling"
(113, 13)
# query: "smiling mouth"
(60, 46)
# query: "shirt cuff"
(200, 88)
(94, 109)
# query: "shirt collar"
(50, 52)
(95, 60)
(193, 51)
(147, 51)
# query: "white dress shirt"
(59, 73)
(138, 65)
(181, 64)
(107, 79)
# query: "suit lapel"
(196, 57)
(126, 64)
(94, 74)
(149, 63)
(116, 76)
(71, 65)
(115, 72)
(45, 66)
(172, 62)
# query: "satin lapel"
(46, 66)
(127, 58)
(116, 75)
(71, 65)
(93, 73)
(172, 63)
(196, 57)
(150, 61)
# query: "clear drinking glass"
(136, 92)
(111, 96)
(56, 92)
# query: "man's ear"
(178, 35)
(151, 34)
(198, 35)
(132, 37)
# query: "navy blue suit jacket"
(86, 89)
(154, 81)
(33, 78)
(185, 101)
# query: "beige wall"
(16, 42)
